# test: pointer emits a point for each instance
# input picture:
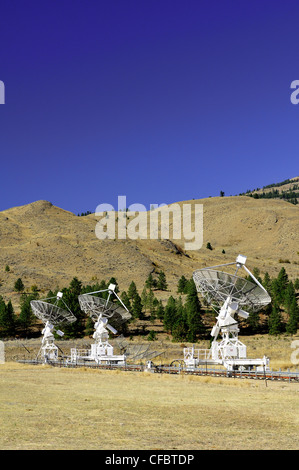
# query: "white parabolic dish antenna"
(229, 294)
(51, 315)
(101, 311)
(48, 312)
(216, 286)
(97, 307)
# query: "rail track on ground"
(286, 376)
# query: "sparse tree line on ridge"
(184, 316)
(289, 195)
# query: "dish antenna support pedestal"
(49, 350)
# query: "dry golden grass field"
(46, 408)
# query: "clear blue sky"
(158, 100)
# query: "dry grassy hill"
(48, 246)
(282, 189)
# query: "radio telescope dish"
(50, 312)
(95, 306)
(98, 306)
(229, 294)
(51, 315)
(101, 311)
(216, 286)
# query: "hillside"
(47, 246)
(287, 190)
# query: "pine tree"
(162, 283)
(193, 313)
(292, 324)
(150, 301)
(169, 314)
(150, 283)
(70, 298)
(7, 318)
(137, 308)
(182, 285)
(275, 321)
(26, 317)
(154, 309)
(283, 277)
(180, 324)
(160, 310)
(2, 305)
(132, 291)
(152, 336)
(19, 286)
(125, 299)
(275, 291)
(279, 286)
(289, 296)
(144, 298)
(89, 327)
(267, 282)
(10, 319)
(253, 322)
